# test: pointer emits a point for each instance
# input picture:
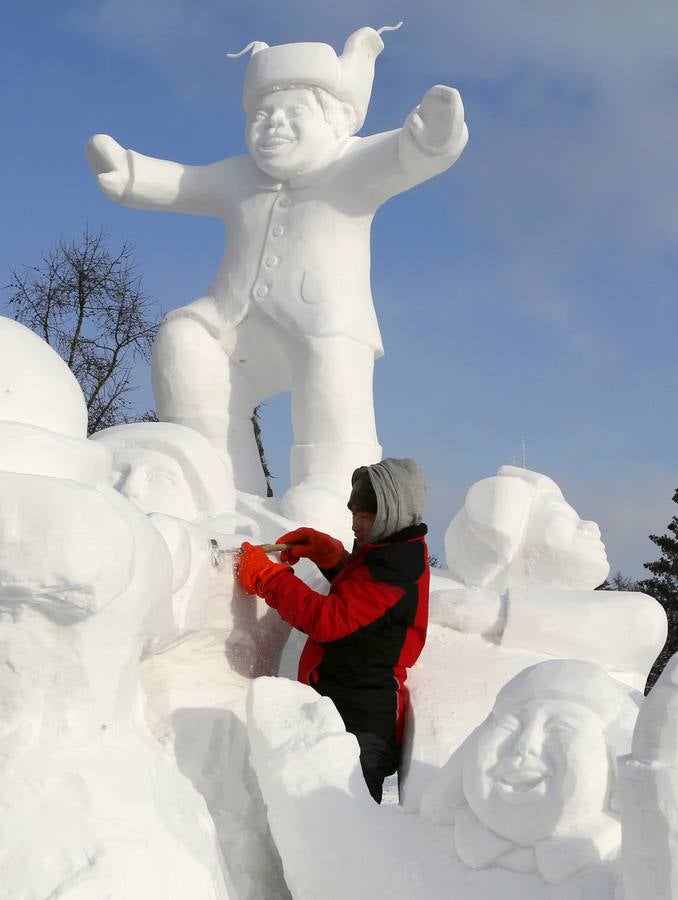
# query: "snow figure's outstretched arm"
(649, 795)
(436, 128)
(143, 182)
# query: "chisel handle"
(275, 548)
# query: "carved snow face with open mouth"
(537, 770)
(287, 133)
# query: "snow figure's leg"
(334, 429)
(197, 383)
(648, 782)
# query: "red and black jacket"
(366, 633)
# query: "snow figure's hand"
(469, 610)
(655, 738)
(108, 161)
(437, 124)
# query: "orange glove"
(325, 551)
(255, 569)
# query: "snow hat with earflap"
(347, 77)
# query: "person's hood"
(400, 490)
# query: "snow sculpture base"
(336, 842)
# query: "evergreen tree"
(663, 586)
(619, 582)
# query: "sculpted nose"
(529, 742)
(590, 528)
(276, 119)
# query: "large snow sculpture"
(523, 566)
(84, 582)
(196, 678)
(526, 808)
(290, 308)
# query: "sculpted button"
(277, 231)
(271, 261)
(261, 290)
(284, 202)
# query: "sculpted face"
(154, 482)
(560, 548)
(537, 770)
(287, 133)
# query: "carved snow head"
(517, 528)
(295, 131)
(302, 100)
(166, 468)
(534, 787)
(545, 759)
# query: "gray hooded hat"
(400, 490)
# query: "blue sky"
(527, 295)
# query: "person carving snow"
(371, 627)
(290, 308)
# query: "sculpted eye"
(298, 111)
(561, 726)
(260, 115)
(160, 477)
(508, 723)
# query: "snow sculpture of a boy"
(290, 308)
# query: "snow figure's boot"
(648, 781)
(321, 484)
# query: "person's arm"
(356, 603)
(143, 182)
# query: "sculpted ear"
(348, 120)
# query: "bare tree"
(90, 306)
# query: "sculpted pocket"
(311, 289)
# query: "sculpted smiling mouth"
(274, 142)
(514, 781)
